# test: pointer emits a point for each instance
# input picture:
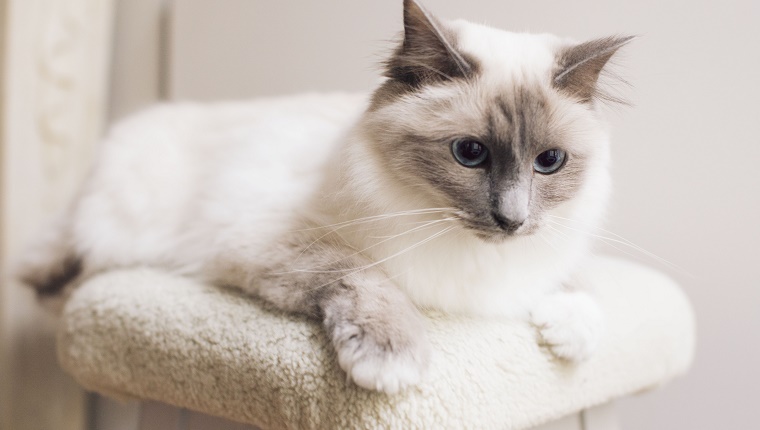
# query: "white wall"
(686, 154)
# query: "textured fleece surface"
(151, 335)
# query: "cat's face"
(500, 126)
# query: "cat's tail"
(51, 262)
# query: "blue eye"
(549, 161)
(468, 152)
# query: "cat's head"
(502, 126)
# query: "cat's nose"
(508, 224)
(513, 208)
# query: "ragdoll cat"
(440, 191)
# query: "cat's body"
(179, 184)
(349, 209)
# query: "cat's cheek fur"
(570, 324)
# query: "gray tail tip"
(50, 281)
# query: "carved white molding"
(59, 56)
(70, 106)
(53, 96)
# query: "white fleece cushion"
(147, 334)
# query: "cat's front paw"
(570, 325)
(383, 361)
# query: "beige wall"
(139, 60)
(686, 153)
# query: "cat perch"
(150, 335)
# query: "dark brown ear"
(579, 66)
(427, 53)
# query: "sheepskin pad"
(146, 334)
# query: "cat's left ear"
(579, 66)
(427, 54)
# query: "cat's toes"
(386, 365)
(570, 325)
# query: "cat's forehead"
(505, 56)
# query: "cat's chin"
(496, 238)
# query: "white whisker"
(339, 270)
(426, 224)
(609, 241)
(403, 251)
(561, 233)
(546, 240)
(585, 224)
(380, 217)
(358, 221)
(412, 230)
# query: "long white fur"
(178, 184)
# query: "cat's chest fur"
(453, 273)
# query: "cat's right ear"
(427, 53)
(579, 67)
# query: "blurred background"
(686, 184)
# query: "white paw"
(385, 366)
(570, 324)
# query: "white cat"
(444, 189)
